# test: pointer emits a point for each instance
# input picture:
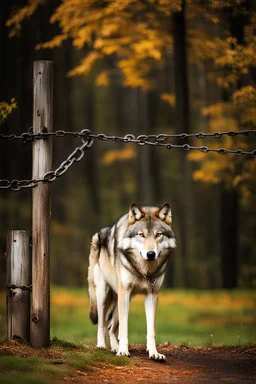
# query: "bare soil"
(182, 365)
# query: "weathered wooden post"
(41, 205)
(18, 279)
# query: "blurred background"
(138, 67)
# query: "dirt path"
(183, 365)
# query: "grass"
(18, 369)
(60, 360)
(193, 318)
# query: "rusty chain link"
(87, 138)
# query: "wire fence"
(87, 139)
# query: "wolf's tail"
(93, 259)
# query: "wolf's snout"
(151, 255)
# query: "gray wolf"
(126, 259)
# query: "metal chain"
(87, 138)
(76, 155)
(159, 141)
(29, 136)
(141, 139)
(23, 287)
(204, 149)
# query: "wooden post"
(41, 205)
(18, 274)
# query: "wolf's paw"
(157, 356)
(114, 345)
(101, 346)
(123, 352)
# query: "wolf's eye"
(141, 234)
(159, 234)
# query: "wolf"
(126, 259)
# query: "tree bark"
(230, 199)
(181, 71)
(182, 109)
(229, 238)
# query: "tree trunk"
(4, 166)
(230, 198)
(182, 107)
(181, 71)
(154, 152)
(229, 236)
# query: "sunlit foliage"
(230, 65)
(6, 109)
(137, 33)
(169, 98)
(138, 37)
(238, 173)
(117, 155)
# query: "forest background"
(138, 67)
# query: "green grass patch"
(16, 378)
(20, 364)
(61, 344)
(19, 369)
(193, 318)
(64, 360)
(86, 360)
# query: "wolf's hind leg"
(102, 290)
(113, 329)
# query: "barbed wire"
(87, 138)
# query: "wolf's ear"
(165, 214)
(135, 213)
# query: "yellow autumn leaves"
(138, 37)
(6, 109)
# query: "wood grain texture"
(41, 205)
(18, 272)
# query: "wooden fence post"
(41, 205)
(18, 279)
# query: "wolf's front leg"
(123, 310)
(151, 307)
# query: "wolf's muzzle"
(151, 255)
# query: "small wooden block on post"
(18, 268)
(41, 205)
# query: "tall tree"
(233, 67)
(183, 124)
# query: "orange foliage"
(136, 32)
(169, 98)
(115, 155)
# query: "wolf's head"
(149, 231)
